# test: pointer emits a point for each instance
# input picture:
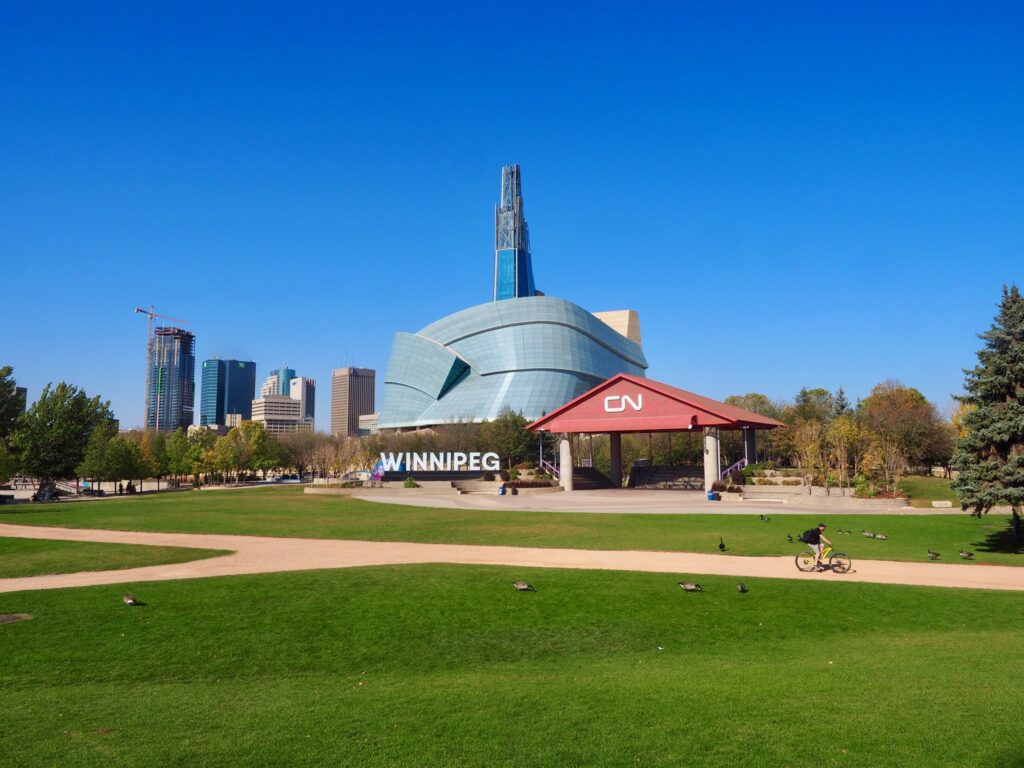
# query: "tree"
(298, 450)
(807, 449)
(51, 438)
(94, 463)
(840, 404)
(153, 445)
(508, 437)
(176, 454)
(990, 453)
(124, 460)
(8, 464)
(843, 437)
(813, 405)
(10, 404)
(199, 442)
(902, 415)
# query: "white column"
(565, 464)
(712, 469)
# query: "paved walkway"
(257, 554)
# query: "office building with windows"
(170, 380)
(280, 415)
(278, 383)
(304, 390)
(228, 387)
(523, 351)
(352, 396)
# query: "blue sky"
(789, 194)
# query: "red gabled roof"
(619, 405)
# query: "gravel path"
(257, 554)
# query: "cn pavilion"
(522, 351)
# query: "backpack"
(805, 537)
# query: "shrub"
(410, 483)
(504, 475)
(529, 484)
(719, 486)
(529, 465)
(792, 482)
(735, 489)
(763, 481)
(488, 476)
(736, 477)
(542, 475)
(513, 474)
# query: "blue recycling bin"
(712, 496)
(501, 490)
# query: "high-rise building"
(228, 386)
(170, 379)
(352, 396)
(304, 390)
(513, 267)
(278, 383)
(280, 415)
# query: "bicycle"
(837, 561)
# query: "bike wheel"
(840, 563)
(805, 561)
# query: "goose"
(789, 538)
(764, 519)
(690, 586)
(869, 534)
(132, 600)
(524, 586)
(966, 555)
(881, 536)
(721, 544)
(933, 555)
(742, 588)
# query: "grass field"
(449, 666)
(921, 491)
(34, 557)
(289, 512)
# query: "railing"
(729, 470)
(547, 466)
(67, 487)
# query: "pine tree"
(840, 405)
(990, 453)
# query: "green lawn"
(449, 666)
(922, 491)
(289, 512)
(33, 557)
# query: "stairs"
(677, 478)
(589, 479)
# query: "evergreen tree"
(840, 405)
(990, 453)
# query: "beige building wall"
(280, 415)
(623, 321)
(352, 396)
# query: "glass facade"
(228, 386)
(171, 380)
(531, 354)
(513, 265)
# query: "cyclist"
(813, 538)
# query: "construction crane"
(150, 314)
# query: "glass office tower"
(170, 380)
(228, 386)
(513, 268)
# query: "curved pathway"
(258, 554)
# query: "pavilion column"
(712, 469)
(750, 445)
(615, 452)
(565, 464)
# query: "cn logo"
(618, 403)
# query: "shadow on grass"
(1002, 542)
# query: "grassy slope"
(33, 557)
(448, 665)
(922, 491)
(288, 512)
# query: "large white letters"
(618, 403)
(440, 462)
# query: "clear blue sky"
(790, 194)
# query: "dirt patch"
(10, 618)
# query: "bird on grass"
(789, 537)
(933, 555)
(721, 544)
(764, 519)
(869, 534)
(966, 555)
(524, 586)
(742, 588)
(132, 600)
(844, 533)
(690, 586)
(881, 536)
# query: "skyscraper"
(228, 386)
(170, 379)
(304, 390)
(352, 396)
(513, 267)
(278, 383)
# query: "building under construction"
(170, 379)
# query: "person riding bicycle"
(813, 538)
